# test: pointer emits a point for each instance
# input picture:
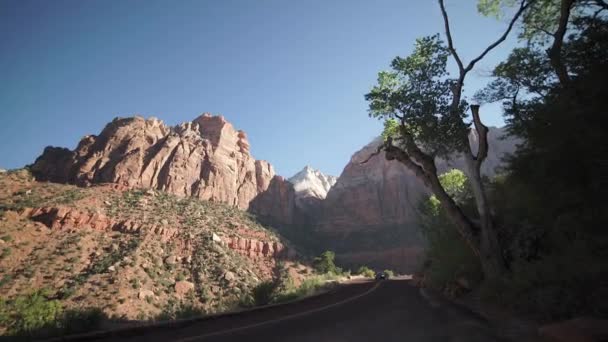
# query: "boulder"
(143, 294)
(183, 287)
(229, 276)
(171, 260)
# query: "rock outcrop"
(206, 158)
(249, 243)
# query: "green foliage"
(325, 263)
(391, 129)
(27, 314)
(366, 272)
(414, 100)
(389, 273)
(308, 287)
(456, 184)
(541, 18)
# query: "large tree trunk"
(490, 253)
(481, 239)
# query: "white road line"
(221, 332)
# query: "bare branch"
(457, 88)
(448, 34)
(522, 8)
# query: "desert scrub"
(27, 314)
(365, 271)
(114, 256)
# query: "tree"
(325, 262)
(546, 22)
(424, 115)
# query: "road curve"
(391, 310)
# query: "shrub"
(30, 313)
(389, 273)
(325, 263)
(263, 292)
(366, 272)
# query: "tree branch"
(448, 34)
(464, 225)
(522, 8)
(555, 50)
(457, 88)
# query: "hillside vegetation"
(126, 255)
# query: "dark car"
(381, 276)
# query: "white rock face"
(312, 183)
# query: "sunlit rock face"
(206, 158)
(311, 187)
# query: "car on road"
(381, 276)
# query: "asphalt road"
(391, 310)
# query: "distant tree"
(324, 263)
(424, 114)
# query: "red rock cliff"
(206, 158)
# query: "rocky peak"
(312, 183)
(205, 158)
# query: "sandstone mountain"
(206, 158)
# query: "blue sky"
(292, 74)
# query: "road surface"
(390, 310)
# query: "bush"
(366, 272)
(389, 273)
(325, 263)
(262, 294)
(30, 313)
